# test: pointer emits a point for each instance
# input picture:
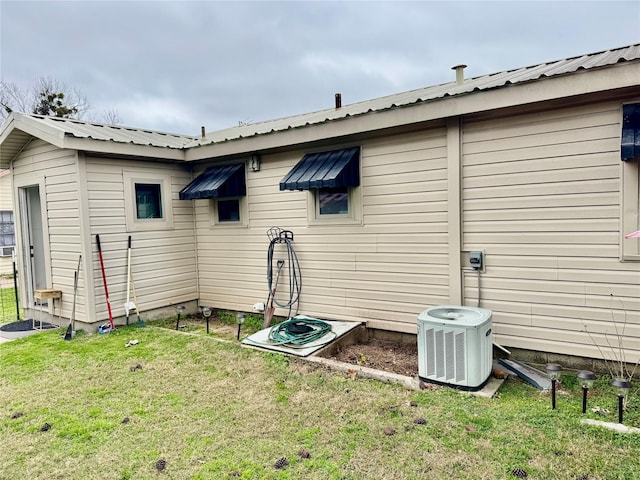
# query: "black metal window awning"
(630, 147)
(333, 169)
(216, 182)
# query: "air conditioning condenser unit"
(455, 346)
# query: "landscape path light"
(179, 309)
(240, 317)
(554, 370)
(586, 380)
(206, 313)
(622, 386)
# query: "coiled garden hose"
(280, 236)
(299, 331)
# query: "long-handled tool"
(139, 323)
(104, 281)
(132, 305)
(279, 236)
(128, 306)
(268, 314)
(72, 321)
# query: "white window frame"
(353, 217)
(214, 221)
(629, 203)
(135, 224)
(630, 209)
(13, 223)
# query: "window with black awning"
(331, 169)
(217, 182)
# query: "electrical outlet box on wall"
(474, 259)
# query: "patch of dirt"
(401, 358)
(197, 324)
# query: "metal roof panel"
(485, 82)
(115, 133)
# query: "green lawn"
(188, 406)
(8, 305)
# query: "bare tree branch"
(48, 96)
(12, 99)
(111, 117)
(54, 98)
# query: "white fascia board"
(57, 137)
(7, 127)
(40, 130)
(622, 75)
(127, 149)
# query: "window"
(7, 233)
(148, 200)
(332, 179)
(333, 201)
(630, 154)
(228, 210)
(630, 209)
(226, 186)
(334, 206)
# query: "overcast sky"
(174, 66)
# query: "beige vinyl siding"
(163, 261)
(383, 272)
(42, 163)
(541, 197)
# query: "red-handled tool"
(104, 281)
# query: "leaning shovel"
(268, 314)
(128, 306)
(72, 321)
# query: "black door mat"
(25, 326)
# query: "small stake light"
(240, 317)
(622, 386)
(554, 370)
(179, 309)
(206, 313)
(586, 380)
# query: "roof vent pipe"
(202, 132)
(338, 100)
(459, 73)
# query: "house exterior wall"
(163, 261)
(6, 204)
(384, 270)
(54, 171)
(529, 174)
(541, 196)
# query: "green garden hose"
(299, 331)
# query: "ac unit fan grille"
(445, 354)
